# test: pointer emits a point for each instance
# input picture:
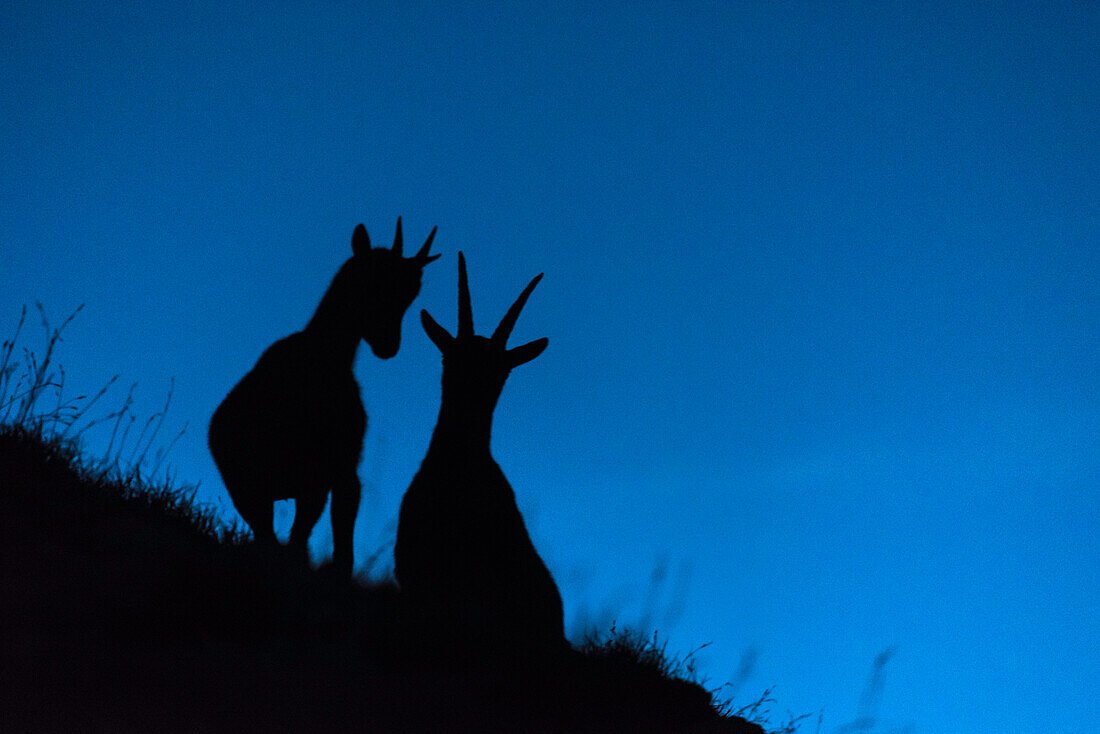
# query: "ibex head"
(476, 366)
(387, 284)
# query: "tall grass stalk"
(27, 380)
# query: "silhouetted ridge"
(128, 609)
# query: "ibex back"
(293, 427)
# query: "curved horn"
(465, 313)
(398, 240)
(423, 254)
(504, 330)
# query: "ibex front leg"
(345, 506)
(259, 513)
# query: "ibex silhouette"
(293, 426)
(462, 545)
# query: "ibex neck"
(462, 429)
(335, 323)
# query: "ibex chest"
(463, 493)
(293, 395)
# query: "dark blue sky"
(821, 293)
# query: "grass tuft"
(634, 649)
(33, 399)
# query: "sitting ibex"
(293, 426)
(462, 546)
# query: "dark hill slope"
(124, 608)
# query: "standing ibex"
(462, 546)
(293, 426)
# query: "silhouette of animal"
(293, 426)
(462, 546)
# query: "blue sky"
(821, 294)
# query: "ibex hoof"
(337, 570)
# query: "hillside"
(126, 608)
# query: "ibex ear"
(527, 352)
(439, 336)
(360, 241)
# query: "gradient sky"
(821, 293)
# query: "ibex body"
(293, 427)
(462, 545)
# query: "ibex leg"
(307, 510)
(345, 506)
(260, 516)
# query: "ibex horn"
(465, 313)
(423, 254)
(398, 240)
(504, 330)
